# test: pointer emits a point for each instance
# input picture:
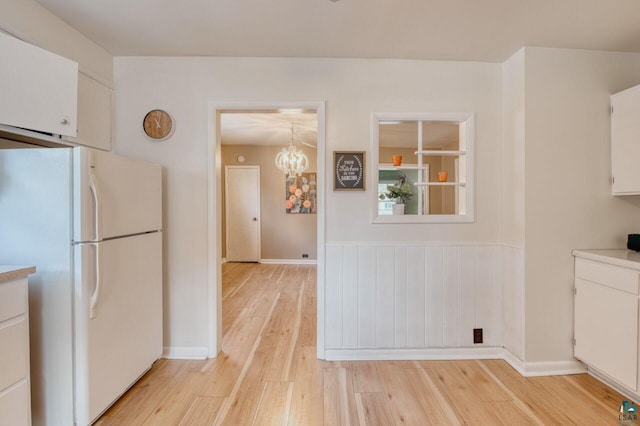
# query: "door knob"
(64, 121)
(255, 219)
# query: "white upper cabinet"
(39, 89)
(94, 114)
(625, 142)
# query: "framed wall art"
(349, 170)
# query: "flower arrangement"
(400, 192)
(301, 196)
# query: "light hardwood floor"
(268, 374)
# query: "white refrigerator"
(91, 223)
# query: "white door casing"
(242, 209)
(214, 231)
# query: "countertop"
(620, 257)
(13, 272)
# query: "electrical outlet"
(305, 256)
(477, 335)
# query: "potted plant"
(400, 192)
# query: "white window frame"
(468, 134)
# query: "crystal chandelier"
(292, 161)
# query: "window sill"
(414, 218)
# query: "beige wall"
(568, 201)
(447, 164)
(29, 21)
(437, 196)
(283, 236)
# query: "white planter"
(398, 209)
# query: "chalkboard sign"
(349, 170)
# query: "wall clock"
(158, 125)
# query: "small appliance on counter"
(633, 242)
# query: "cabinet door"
(606, 331)
(94, 114)
(39, 89)
(625, 142)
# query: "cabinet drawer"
(14, 353)
(13, 299)
(15, 406)
(611, 276)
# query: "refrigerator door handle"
(95, 190)
(95, 296)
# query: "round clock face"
(157, 124)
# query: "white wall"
(568, 193)
(352, 89)
(29, 21)
(513, 139)
(513, 208)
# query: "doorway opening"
(257, 213)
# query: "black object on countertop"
(633, 242)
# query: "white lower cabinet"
(606, 318)
(15, 398)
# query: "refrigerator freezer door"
(124, 337)
(114, 196)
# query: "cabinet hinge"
(611, 109)
(575, 290)
(613, 180)
(574, 341)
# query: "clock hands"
(157, 122)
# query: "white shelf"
(388, 166)
(440, 152)
(439, 184)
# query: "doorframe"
(226, 207)
(214, 214)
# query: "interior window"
(423, 168)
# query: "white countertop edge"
(14, 272)
(620, 257)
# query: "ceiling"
(268, 127)
(472, 30)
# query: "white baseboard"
(527, 369)
(545, 368)
(171, 352)
(412, 354)
(613, 384)
(289, 261)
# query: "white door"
(118, 318)
(114, 196)
(242, 201)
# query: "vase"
(398, 209)
(442, 176)
(397, 160)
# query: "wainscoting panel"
(412, 296)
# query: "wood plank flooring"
(268, 374)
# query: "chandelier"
(292, 161)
